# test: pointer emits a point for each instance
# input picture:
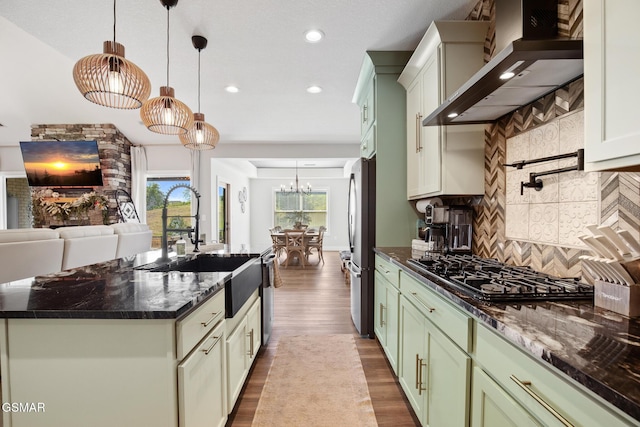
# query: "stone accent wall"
(19, 188)
(115, 155)
(619, 192)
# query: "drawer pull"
(208, 322)
(381, 267)
(525, 386)
(215, 341)
(424, 304)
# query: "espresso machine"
(460, 229)
(448, 229)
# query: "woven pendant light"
(201, 136)
(166, 114)
(109, 79)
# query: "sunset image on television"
(62, 163)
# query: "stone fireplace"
(115, 162)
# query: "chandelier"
(109, 79)
(166, 114)
(297, 189)
(201, 136)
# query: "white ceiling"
(256, 45)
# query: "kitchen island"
(594, 352)
(117, 343)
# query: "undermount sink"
(246, 274)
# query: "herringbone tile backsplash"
(619, 192)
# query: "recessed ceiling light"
(313, 36)
(507, 75)
(314, 89)
(452, 115)
(232, 89)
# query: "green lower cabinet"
(392, 327)
(379, 305)
(449, 374)
(434, 373)
(414, 351)
(386, 318)
(492, 406)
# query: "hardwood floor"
(316, 301)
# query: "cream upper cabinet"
(443, 160)
(611, 69)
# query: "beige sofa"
(133, 238)
(87, 244)
(29, 252)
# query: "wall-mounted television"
(62, 163)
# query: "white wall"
(11, 159)
(261, 196)
(236, 173)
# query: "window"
(308, 209)
(178, 205)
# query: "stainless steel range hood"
(539, 62)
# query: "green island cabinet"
(443, 160)
(129, 372)
(456, 371)
(386, 304)
(611, 85)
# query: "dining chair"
(277, 243)
(294, 245)
(316, 243)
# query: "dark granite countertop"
(112, 290)
(599, 349)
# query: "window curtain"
(139, 181)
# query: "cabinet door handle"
(215, 341)
(424, 304)
(525, 386)
(417, 371)
(250, 335)
(419, 365)
(418, 133)
(208, 322)
(365, 116)
(382, 307)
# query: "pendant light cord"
(114, 22)
(199, 51)
(168, 46)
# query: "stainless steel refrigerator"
(362, 236)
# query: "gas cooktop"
(490, 280)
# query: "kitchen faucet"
(195, 230)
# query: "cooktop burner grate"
(490, 280)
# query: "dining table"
(307, 236)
